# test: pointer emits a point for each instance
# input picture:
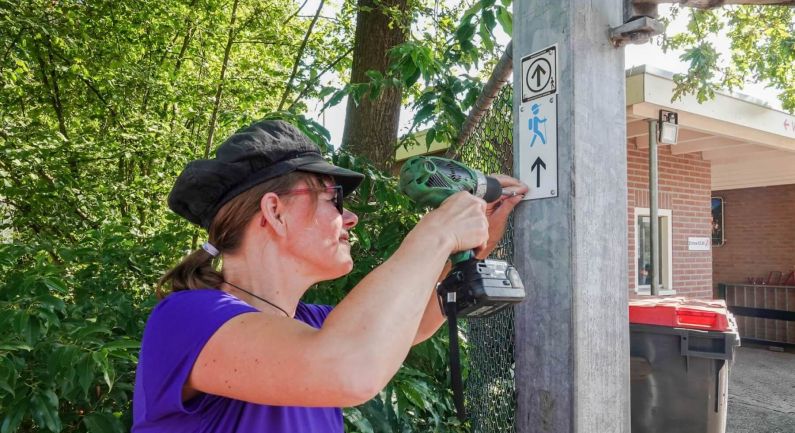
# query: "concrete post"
(572, 332)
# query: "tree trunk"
(371, 128)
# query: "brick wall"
(685, 188)
(759, 228)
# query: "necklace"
(261, 299)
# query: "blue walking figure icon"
(534, 123)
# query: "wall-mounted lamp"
(669, 127)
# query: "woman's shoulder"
(196, 307)
(194, 296)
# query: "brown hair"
(198, 269)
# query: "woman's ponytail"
(194, 271)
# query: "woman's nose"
(349, 219)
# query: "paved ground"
(761, 391)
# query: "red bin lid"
(679, 312)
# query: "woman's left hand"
(499, 211)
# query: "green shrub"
(73, 317)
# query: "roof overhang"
(747, 143)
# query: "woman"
(235, 350)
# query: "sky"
(635, 55)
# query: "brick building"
(756, 246)
(684, 203)
(726, 199)
(733, 154)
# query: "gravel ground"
(761, 391)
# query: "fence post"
(572, 334)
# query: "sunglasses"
(336, 189)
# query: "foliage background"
(101, 105)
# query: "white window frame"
(666, 239)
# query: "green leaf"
(102, 422)
(108, 372)
(55, 285)
(465, 32)
(485, 36)
(359, 421)
(488, 19)
(413, 396)
(337, 98)
(122, 343)
(429, 137)
(6, 375)
(423, 113)
(11, 347)
(45, 410)
(85, 373)
(374, 75)
(87, 331)
(375, 91)
(413, 77)
(505, 18)
(13, 418)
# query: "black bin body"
(679, 379)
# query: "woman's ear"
(272, 213)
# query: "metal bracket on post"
(640, 24)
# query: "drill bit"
(508, 193)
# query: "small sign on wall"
(698, 244)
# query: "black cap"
(263, 151)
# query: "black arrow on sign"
(537, 75)
(535, 165)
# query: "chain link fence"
(490, 388)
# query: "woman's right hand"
(460, 222)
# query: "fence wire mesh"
(490, 388)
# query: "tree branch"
(77, 210)
(311, 82)
(219, 89)
(185, 42)
(10, 47)
(299, 55)
(38, 228)
(26, 209)
(710, 4)
(332, 19)
(261, 41)
(284, 23)
(55, 98)
(95, 91)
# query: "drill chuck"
(493, 189)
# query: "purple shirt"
(175, 334)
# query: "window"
(643, 251)
(717, 222)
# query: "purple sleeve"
(175, 334)
(313, 314)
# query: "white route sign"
(538, 147)
(540, 74)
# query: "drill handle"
(461, 256)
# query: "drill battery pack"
(481, 288)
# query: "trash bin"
(680, 354)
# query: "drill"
(479, 287)
(474, 288)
